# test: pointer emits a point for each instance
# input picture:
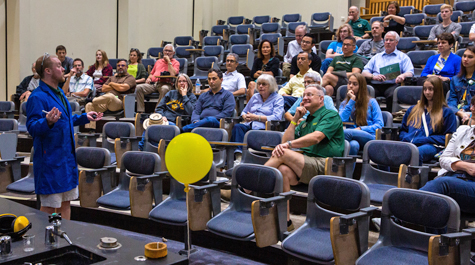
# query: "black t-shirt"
(271, 66)
(315, 65)
(394, 26)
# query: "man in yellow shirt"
(295, 87)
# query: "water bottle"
(198, 86)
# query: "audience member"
(177, 102)
(371, 47)
(342, 67)
(295, 87)
(388, 69)
(336, 47)
(359, 25)
(66, 62)
(78, 85)
(319, 136)
(167, 66)
(307, 45)
(393, 21)
(293, 49)
(364, 111)
(264, 106)
(310, 79)
(55, 170)
(265, 63)
(213, 105)
(444, 65)
(462, 86)
(456, 178)
(233, 81)
(136, 68)
(29, 83)
(426, 123)
(101, 70)
(447, 25)
(117, 85)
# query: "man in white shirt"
(233, 81)
(79, 84)
(293, 49)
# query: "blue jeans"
(210, 122)
(237, 135)
(357, 138)
(427, 153)
(142, 142)
(325, 64)
(289, 102)
(462, 191)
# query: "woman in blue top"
(364, 111)
(264, 106)
(446, 64)
(335, 48)
(462, 86)
(426, 123)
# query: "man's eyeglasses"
(167, 51)
(121, 65)
(348, 44)
(230, 61)
(307, 82)
(46, 55)
(77, 65)
(306, 42)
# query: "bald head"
(353, 13)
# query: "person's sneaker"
(226, 195)
(377, 223)
(472, 260)
(236, 162)
(290, 226)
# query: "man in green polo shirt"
(342, 66)
(358, 24)
(319, 136)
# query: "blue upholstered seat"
(171, 211)
(312, 240)
(118, 200)
(394, 256)
(233, 223)
(24, 185)
(313, 243)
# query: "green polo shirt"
(360, 26)
(329, 123)
(342, 63)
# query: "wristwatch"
(169, 63)
(289, 143)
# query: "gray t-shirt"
(438, 29)
(369, 48)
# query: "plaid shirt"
(78, 84)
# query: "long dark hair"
(259, 50)
(362, 100)
(438, 103)
(463, 70)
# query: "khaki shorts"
(55, 200)
(312, 166)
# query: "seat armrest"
(461, 239)
(469, 230)
(282, 196)
(160, 174)
(353, 218)
(18, 158)
(95, 135)
(422, 171)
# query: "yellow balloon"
(188, 157)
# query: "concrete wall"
(35, 27)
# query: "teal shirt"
(329, 123)
(360, 26)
